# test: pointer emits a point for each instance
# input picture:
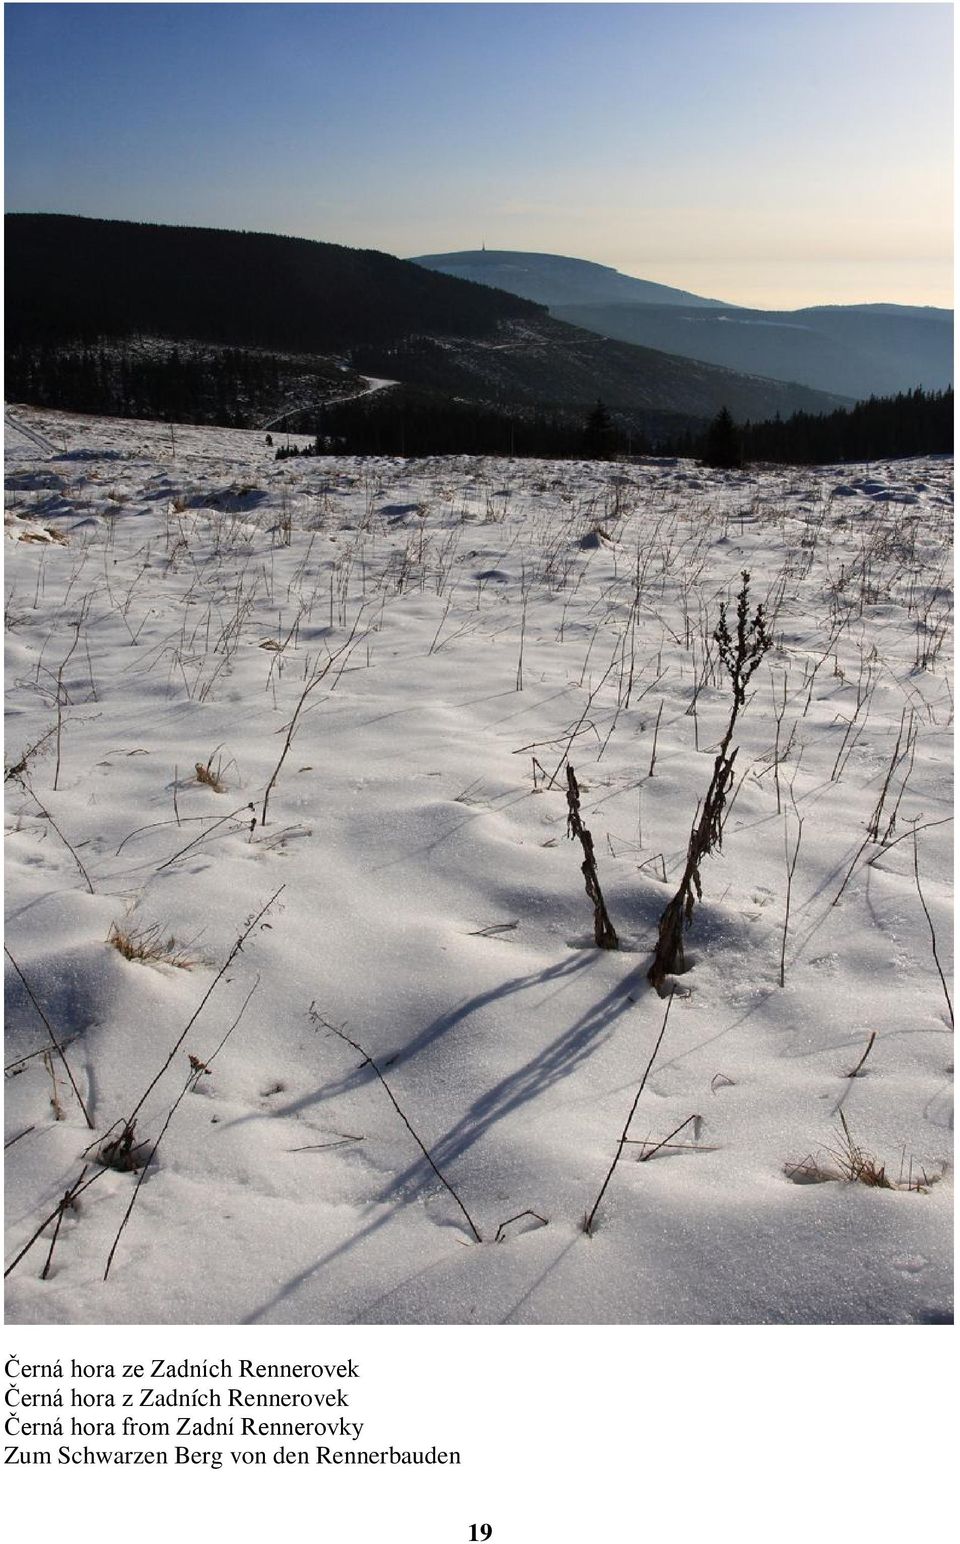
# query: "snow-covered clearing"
(171, 595)
(374, 384)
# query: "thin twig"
(884, 847)
(791, 870)
(201, 838)
(17, 770)
(10, 1070)
(50, 1031)
(186, 820)
(47, 816)
(66, 1201)
(312, 684)
(933, 936)
(674, 1147)
(498, 1236)
(656, 735)
(59, 726)
(191, 1082)
(203, 1002)
(863, 1058)
(321, 1147)
(588, 1221)
(97, 1174)
(368, 1061)
(669, 1139)
(25, 1133)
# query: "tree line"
(239, 388)
(249, 388)
(414, 421)
(913, 423)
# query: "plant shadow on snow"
(72, 992)
(557, 1061)
(539, 1073)
(550, 1064)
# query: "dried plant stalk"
(604, 931)
(740, 655)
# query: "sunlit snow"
(467, 626)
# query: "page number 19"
(480, 1532)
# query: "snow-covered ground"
(441, 635)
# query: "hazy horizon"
(770, 155)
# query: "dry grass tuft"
(848, 1163)
(45, 535)
(210, 777)
(857, 1165)
(149, 946)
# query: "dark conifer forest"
(81, 279)
(412, 421)
(915, 423)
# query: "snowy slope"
(171, 596)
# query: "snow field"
(171, 596)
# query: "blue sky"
(772, 154)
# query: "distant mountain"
(557, 281)
(542, 362)
(107, 315)
(853, 351)
(889, 308)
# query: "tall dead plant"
(740, 654)
(604, 933)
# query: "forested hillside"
(175, 323)
(70, 278)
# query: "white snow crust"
(170, 592)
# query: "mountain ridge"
(75, 284)
(550, 279)
(856, 351)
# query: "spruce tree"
(722, 447)
(599, 436)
